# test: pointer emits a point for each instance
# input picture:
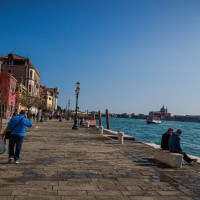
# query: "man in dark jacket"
(165, 139)
(174, 146)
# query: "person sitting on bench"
(165, 139)
(174, 146)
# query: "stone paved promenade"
(60, 163)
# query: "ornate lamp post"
(75, 126)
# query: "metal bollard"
(121, 137)
(87, 124)
(101, 130)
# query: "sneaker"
(184, 163)
(17, 162)
(10, 160)
(193, 161)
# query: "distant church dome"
(163, 110)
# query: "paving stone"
(112, 198)
(78, 198)
(171, 198)
(133, 188)
(139, 193)
(21, 192)
(75, 187)
(168, 193)
(42, 192)
(37, 197)
(41, 183)
(104, 193)
(142, 198)
(72, 193)
(6, 198)
(5, 192)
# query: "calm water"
(143, 132)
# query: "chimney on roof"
(1, 63)
(10, 56)
(27, 60)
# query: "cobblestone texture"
(59, 163)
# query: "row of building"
(162, 114)
(20, 88)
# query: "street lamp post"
(68, 114)
(75, 126)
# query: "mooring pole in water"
(100, 121)
(107, 120)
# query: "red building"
(8, 86)
(23, 70)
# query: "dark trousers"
(15, 145)
(185, 156)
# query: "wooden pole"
(107, 119)
(100, 121)
(1, 121)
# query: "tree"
(4, 94)
(59, 108)
(39, 104)
(44, 110)
(27, 101)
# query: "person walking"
(174, 146)
(165, 139)
(18, 126)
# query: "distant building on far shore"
(162, 114)
(186, 118)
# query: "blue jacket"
(174, 143)
(21, 127)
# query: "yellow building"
(48, 100)
(21, 92)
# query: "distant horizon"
(134, 113)
(129, 56)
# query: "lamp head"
(77, 84)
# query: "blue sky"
(130, 56)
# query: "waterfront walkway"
(59, 163)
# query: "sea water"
(143, 132)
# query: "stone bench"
(171, 159)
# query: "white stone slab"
(171, 159)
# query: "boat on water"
(153, 121)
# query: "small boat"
(153, 121)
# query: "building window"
(9, 71)
(2, 68)
(29, 89)
(31, 74)
(10, 63)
